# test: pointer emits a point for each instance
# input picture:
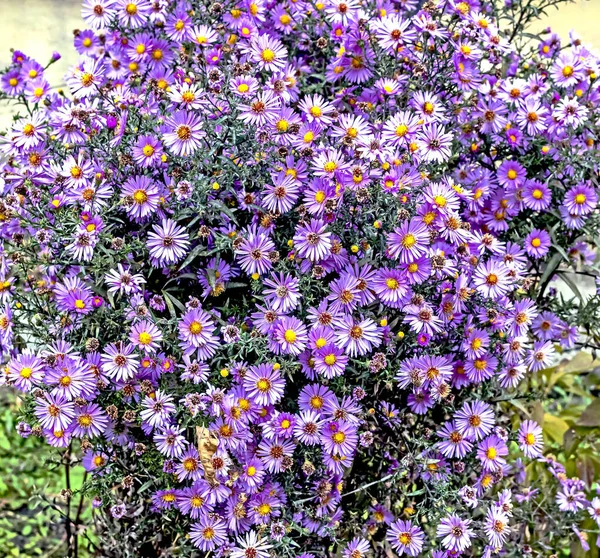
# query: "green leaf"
(555, 427)
(591, 415)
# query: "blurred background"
(38, 27)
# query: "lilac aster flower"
(168, 243)
(312, 241)
(182, 133)
(253, 253)
(264, 384)
(208, 533)
(475, 420)
(157, 409)
(357, 337)
(119, 362)
(405, 538)
(409, 241)
(196, 333)
(54, 412)
(455, 533)
(530, 439)
(90, 421)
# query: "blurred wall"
(38, 27)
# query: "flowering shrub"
(279, 274)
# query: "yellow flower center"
(339, 437)
(148, 150)
(195, 328)
(409, 240)
(140, 196)
(268, 55)
(290, 335)
(145, 338)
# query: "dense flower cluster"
(289, 260)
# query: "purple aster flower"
(193, 500)
(170, 442)
(307, 429)
(182, 133)
(312, 241)
(208, 533)
(455, 533)
(267, 52)
(475, 420)
(491, 452)
(281, 196)
(54, 412)
(340, 438)
(288, 336)
(282, 292)
(272, 453)
(391, 286)
(157, 409)
(251, 546)
(25, 371)
(496, 527)
(434, 143)
(196, 333)
(146, 336)
(140, 196)
(530, 439)
(540, 356)
(119, 362)
(168, 243)
(190, 466)
(253, 253)
(132, 13)
(148, 151)
(405, 538)
(357, 337)
(357, 548)
(537, 243)
(409, 241)
(581, 200)
(90, 421)
(121, 280)
(330, 361)
(264, 384)
(492, 279)
(454, 444)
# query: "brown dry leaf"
(207, 446)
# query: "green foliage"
(32, 511)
